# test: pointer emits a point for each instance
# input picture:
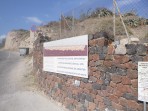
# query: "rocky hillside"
(17, 38)
(136, 26)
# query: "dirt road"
(16, 86)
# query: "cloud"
(122, 3)
(34, 20)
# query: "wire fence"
(119, 18)
(130, 19)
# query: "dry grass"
(93, 25)
(140, 32)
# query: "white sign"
(143, 81)
(67, 56)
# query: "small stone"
(92, 50)
(121, 49)
(83, 109)
(60, 86)
(122, 72)
(86, 103)
(92, 106)
(70, 107)
(117, 71)
(103, 87)
(92, 43)
(93, 79)
(130, 65)
(106, 82)
(116, 106)
(99, 49)
(98, 63)
(84, 80)
(112, 84)
(82, 96)
(132, 74)
(108, 76)
(133, 105)
(109, 57)
(124, 41)
(134, 83)
(141, 49)
(131, 49)
(89, 98)
(77, 83)
(105, 49)
(90, 36)
(111, 49)
(97, 109)
(108, 63)
(91, 63)
(114, 98)
(136, 59)
(126, 80)
(76, 97)
(103, 76)
(132, 39)
(123, 101)
(111, 69)
(129, 96)
(102, 56)
(82, 101)
(107, 101)
(145, 58)
(102, 42)
(95, 57)
(69, 93)
(96, 86)
(116, 78)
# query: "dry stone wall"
(112, 84)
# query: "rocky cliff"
(17, 38)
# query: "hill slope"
(17, 38)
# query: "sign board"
(67, 56)
(143, 81)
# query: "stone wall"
(112, 84)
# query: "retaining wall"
(112, 84)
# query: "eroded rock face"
(17, 38)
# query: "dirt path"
(17, 88)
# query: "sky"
(22, 14)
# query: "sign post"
(143, 82)
(144, 106)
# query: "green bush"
(135, 22)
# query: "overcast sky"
(22, 14)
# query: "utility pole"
(60, 24)
(73, 22)
(114, 18)
(116, 5)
